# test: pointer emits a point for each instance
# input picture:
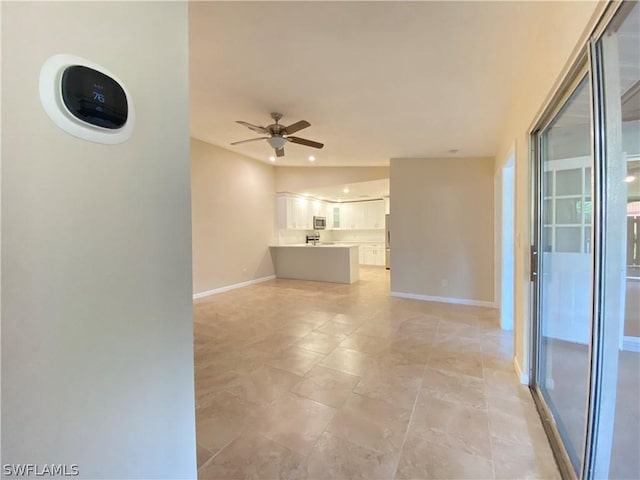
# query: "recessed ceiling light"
(345, 189)
(312, 158)
(629, 179)
(272, 158)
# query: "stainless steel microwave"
(319, 223)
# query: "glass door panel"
(565, 270)
(617, 445)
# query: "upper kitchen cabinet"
(373, 215)
(296, 213)
(358, 215)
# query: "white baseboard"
(429, 298)
(523, 377)
(232, 287)
(631, 344)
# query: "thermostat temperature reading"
(93, 97)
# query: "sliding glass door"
(586, 359)
(616, 371)
(565, 278)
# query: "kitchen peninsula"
(322, 263)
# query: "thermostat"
(86, 100)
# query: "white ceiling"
(376, 80)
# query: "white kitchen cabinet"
(334, 217)
(295, 213)
(372, 255)
(362, 255)
(359, 216)
(372, 215)
(347, 216)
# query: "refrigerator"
(387, 243)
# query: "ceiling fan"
(279, 135)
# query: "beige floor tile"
(294, 422)
(384, 329)
(206, 387)
(372, 423)
(503, 383)
(457, 344)
(276, 366)
(222, 403)
(336, 458)
(405, 352)
(419, 328)
(265, 385)
(459, 330)
(336, 328)
(274, 343)
(523, 430)
(467, 363)
(203, 455)
(253, 457)
(352, 319)
(320, 342)
(522, 461)
(295, 360)
(422, 459)
(326, 385)
(297, 329)
(520, 406)
(497, 362)
(398, 384)
(455, 387)
(454, 424)
(216, 432)
(366, 343)
(349, 361)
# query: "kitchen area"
(327, 234)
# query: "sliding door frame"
(588, 63)
(573, 80)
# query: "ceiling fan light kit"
(279, 135)
(277, 142)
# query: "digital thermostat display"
(86, 100)
(93, 97)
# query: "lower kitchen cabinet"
(372, 255)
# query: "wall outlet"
(244, 269)
(445, 282)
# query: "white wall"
(560, 39)
(442, 229)
(233, 210)
(299, 179)
(97, 356)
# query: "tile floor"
(307, 380)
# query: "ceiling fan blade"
(304, 141)
(294, 127)
(255, 128)
(280, 152)
(250, 140)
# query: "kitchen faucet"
(313, 238)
